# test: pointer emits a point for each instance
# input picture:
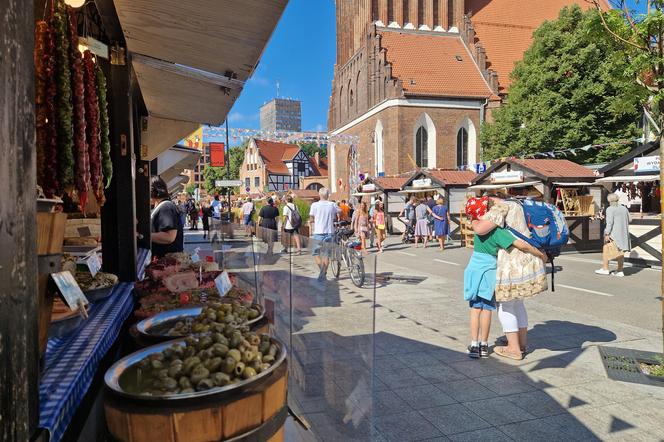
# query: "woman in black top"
(268, 223)
(206, 211)
(167, 235)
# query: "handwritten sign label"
(93, 263)
(69, 289)
(223, 283)
(84, 231)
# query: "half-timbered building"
(270, 166)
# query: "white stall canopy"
(628, 179)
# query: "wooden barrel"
(255, 413)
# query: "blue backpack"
(548, 228)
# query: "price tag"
(84, 231)
(69, 289)
(195, 257)
(93, 263)
(223, 283)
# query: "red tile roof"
(505, 28)
(556, 168)
(391, 182)
(273, 154)
(453, 177)
(319, 169)
(290, 152)
(447, 70)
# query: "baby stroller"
(408, 235)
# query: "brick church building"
(415, 79)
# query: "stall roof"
(545, 169)
(613, 167)
(574, 184)
(391, 182)
(504, 186)
(443, 177)
(627, 178)
(193, 57)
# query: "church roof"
(447, 70)
(505, 28)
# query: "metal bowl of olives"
(196, 366)
(213, 317)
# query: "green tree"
(568, 91)
(641, 37)
(190, 189)
(311, 147)
(211, 174)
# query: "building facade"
(196, 175)
(270, 166)
(281, 114)
(415, 79)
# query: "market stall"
(452, 185)
(111, 94)
(564, 183)
(634, 177)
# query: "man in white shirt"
(322, 216)
(247, 212)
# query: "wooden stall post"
(142, 183)
(19, 408)
(119, 212)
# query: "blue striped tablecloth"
(72, 362)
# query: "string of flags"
(483, 166)
(323, 139)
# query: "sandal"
(502, 351)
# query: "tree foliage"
(569, 91)
(236, 156)
(311, 147)
(190, 189)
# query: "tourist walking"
(292, 220)
(441, 222)
(247, 213)
(193, 215)
(206, 214)
(322, 216)
(378, 221)
(267, 220)
(616, 236)
(422, 230)
(361, 224)
(409, 213)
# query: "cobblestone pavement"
(387, 362)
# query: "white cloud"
(320, 128)
(259, 81)
(238, 117)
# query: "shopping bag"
(612, 251)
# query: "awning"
(367, 193)
(577, 184)
(193, 57)
(421, 189)
(504, 186)
(175, 183)
(628, 179)
(173, 162)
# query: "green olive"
(248, 356)
(214, 364)
(197, 328)
(264, 367)
(163, 373)
(170, 384)
(236, 340)
(204, 342)
(156, 364)
(229, 365)
(239, 368)
(254, 339)
(204, 384)
(219, 328)
(219, 350)
(235, 354)
(175, 370)
(253, 314)
(229, 318)
(249, 372)
(190, 341)
(273, 350)
(264, 347)
(190, 363)
(220, 379)
(184, 382)
(265, 337)
(218, 338)
(186, 390)
(198, 374)
(268, 359)
(212, 316)
(156, 357)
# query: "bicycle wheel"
(356, 268)
(335, 265)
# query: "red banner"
(217, 155)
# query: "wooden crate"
(466, 230)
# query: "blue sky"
(300, 57)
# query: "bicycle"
(346, 252)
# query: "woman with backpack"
(519, 276)
(292, 221)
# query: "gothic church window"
(462, 147)
(421, 145)
(424, 142)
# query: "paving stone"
(534, 431)
(388, 363)
(506, 384)
(424, 396)
(403, 427)
(498, 411)
(402, 377)
(538, 403)
(485, 435)
(455, 418)
(571, 426)
(422, 360)
(388, 402)
(466, 390)
(439, 372)
(475, 368)
(586, 393)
